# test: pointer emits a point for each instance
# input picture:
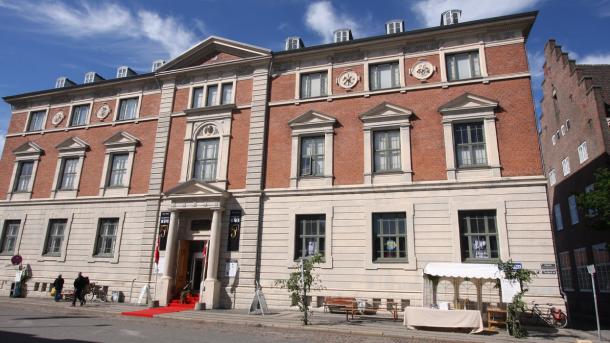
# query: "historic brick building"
(575, 141)
(383, 153)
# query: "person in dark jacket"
(80, 284)
(58, 284)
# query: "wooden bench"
(350, 306)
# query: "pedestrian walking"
(58, 284)
(79, 287)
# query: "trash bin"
(117, 297)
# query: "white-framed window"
(197, 97)
(573, 210)
(211, 95)
(80, 115)
(558, 217)
(122, 72)
(313, 84)
(27, 156)
(394, 26)
(384, 75)
(310, 232)
(583, 155)
(226, 93)
(25, 174)
(565, 270)
(386, 151)
(565, 165)
(89, 77)
(554, 139)
(343, 35)
(206, 159)
(470, 144)
(479, 235)
(55, 237)
(106, 237)
(70, 160)
(310, 235)
(118, 164)
(390, 237)
(68, 173)
(463, 65)
(54, 242)
(601, 259)
(293, 43)
(311, 162)
(552, 177)
(10, 236)
(128, 108)
(581, 259)
(118, 170)
(563, 130)
(36, 120)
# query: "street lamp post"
(591, 270)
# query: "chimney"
(157, 64)
(343, 35)
(394, 26)
(63, 81)
(124, 71)
(294, 43)
(92, 76)
(451, 17)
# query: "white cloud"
(430, 10)
(595, 59)
(536, 61)
(2, 138)
(322, 18)
(96, 20)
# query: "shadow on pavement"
(53, 317)
(15, 337)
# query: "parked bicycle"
(549, 314)
(95, 292)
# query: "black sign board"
(234, 230)
(163, 229)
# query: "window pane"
(127, 109)
(23, 176)
(118, 170)
(9, 236)
(478, 233)
(212, 96)
(383, 76)
(206, 159)
(227, 93)
(310, 235)
(106, 236)
(463, 66)
(36, 121)
(68, 175)
(313, 85)
(389, 236)
(55, 236)
(197, 97)
(470, 144)
(386, 154)
(312, 156)
(79, 115)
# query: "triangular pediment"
(469, 102)
(121, 138)
(195, 188)
(386, 111)
(312, 118)
(72, 143)
(28, 148)
(214, 50)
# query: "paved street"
(62, 324)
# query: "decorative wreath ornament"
(57, 118)
(422, 70)
(348, 79)
(103, 112)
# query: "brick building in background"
(384, 153)
(575, 141)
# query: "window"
(211, 99)
(36, 121)
(89, 77)
(470, 145)
(121, 72)
(342, 35)
(197, 101)
(463, 66)
(583, 155)
(591, 212)
(118, 169)
(226, 94)
(479, 235)
(384, 76)
(554, 139)
(127, 109)
(565, 165)
(394, 26)
(584, 279)
(563, 130)
(24, 175)
(68, 173)
(55, 237)
(314, 85)
(206, 159)
(386, 149)
(389, 237)
(9, 236)
(106, 237)
(552, 177)
(558, 218)
(310, 235)
(565, 270)
(79, 115)
(601, 259)
(573, 209)
(312, 156)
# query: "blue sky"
(42, 40)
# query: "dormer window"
(157, 64)
(90, 77)
(121, 72)
(394, 26)
(343, 35)
(293, 43)
(451, 17)
(60, 82)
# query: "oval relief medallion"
(103, 112)
(57, 118)
(422, 70)
(348, 79)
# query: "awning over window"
(463, 270)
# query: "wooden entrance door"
(182, 265)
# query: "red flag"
(157, 251)
(205, 249)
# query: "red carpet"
(174, 306)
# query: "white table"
(427, 317)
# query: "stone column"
(212, 285)
(167, 280)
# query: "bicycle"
(94, 292)
(549, 314)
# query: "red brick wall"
(17, 123)
(96, 107)
(150, 105)
(506, 59)
(243, 92)
(238, 150)
(181, 99)
(282, 87)
(219, 57)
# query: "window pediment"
(195, 188)
(312, 120)
(121, 139)
(72, 144)
(468, 103)
(28, 149)
(386, 114)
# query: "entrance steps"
(174, 306)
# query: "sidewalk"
(366, 325)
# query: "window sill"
(389, 172)
(313, 97)
(391, 261)
(482, 261)
(384, 89)
(467, 79)
(7, 254)
(103, 259)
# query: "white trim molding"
(117, 106)
(329, 83)
(308, 124)
(471, 108)
(95, 223)
(328, 212)
(386, 116)
(26, 152)
(72, 147)
(480, 47)
(68, 216)
(22, 219)
(44, 121)
(205, 85)
(119, 143)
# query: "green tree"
(596, 204)
(517, 306)
(301, 282)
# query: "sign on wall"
(163, 229)
(234, 230)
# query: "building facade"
(383, 153)
(575, 140)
